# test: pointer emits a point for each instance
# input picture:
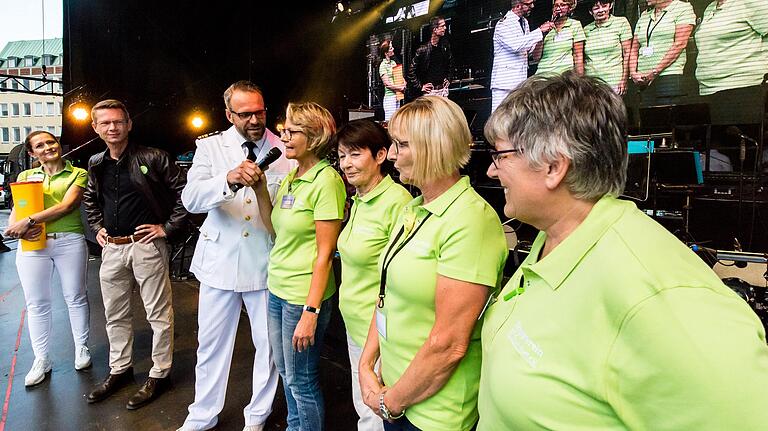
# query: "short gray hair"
(245, 86)
(576, 117)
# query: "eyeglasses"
(245, 116)
(116, 123)
(399, 145)
(287, 133)
(496, 155)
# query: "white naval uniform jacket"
(232, 252)
(510, 51)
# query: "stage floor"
(59, 402)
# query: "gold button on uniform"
(245, 234)
(248, 200)
(247, 218)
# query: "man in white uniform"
(232, 255)
(512, 43)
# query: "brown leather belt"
(119, 240)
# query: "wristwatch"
(385, 413)
(31, 222)
(311, 309)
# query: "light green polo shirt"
(386, 68)
(621, 327)
(557, 54)
(662, 31)
(463, 240)
(371, 221)
(319, 195)
(733, 45)
(603, 56)
(55, 187)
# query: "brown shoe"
(110, 385)
(150, 390)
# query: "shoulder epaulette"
(208, 135)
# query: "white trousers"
(497, 96)
(390, 106)
(217, 319)
(368, 420)
(69, 255)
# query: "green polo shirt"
(55, 187)
(371, 221)
(603, 56)
(462, 240)
(386, 68)
(318, 195)
(735, 32)
(662, 36)
(621, 327)
(557, 54)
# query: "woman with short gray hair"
(610, 322)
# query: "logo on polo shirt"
(527, 348)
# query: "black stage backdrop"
(165, 59)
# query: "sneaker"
(82, 357)
(40, 368)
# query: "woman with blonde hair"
(563, 48)
(306, 220)
(444, 257)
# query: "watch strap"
(311, 309)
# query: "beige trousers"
(146, 266)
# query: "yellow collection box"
(28, 200)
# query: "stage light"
(79, 110)
(340, 7)
(197, 121)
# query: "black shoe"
(110, 385)
(150, 390)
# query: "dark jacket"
(161, 186)
(417, 71)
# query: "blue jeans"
(402, 424)
(299, 370)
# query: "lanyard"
(383, 280)
(649, 30)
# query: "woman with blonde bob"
(445, 255)
(306, 220)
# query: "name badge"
(646, 51)
(287, 202)
(381, 324)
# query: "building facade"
(20, 112)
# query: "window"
(27, 131)
(4, 135)
(12, 62)
(16, 134)
(14, 109)
(39, 108)
(25, 84)
(47, 59)
(3, 109)
(52, 130)
(29, 61)
(27, 109)
(50, 108)
(14, 84)
(38, 127)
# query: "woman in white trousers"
(65, 251)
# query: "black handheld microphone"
(271, 156)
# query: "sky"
(23, 20)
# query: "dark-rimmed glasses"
(287, 133)
(245, 116)
(495, 155)
(399, 144)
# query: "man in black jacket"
(431, 67)
(133, 203)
